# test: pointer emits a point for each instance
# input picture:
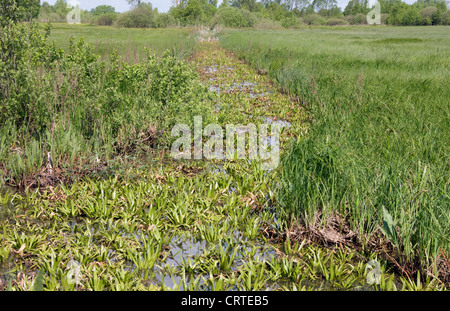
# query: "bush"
(54, 17)
(292, 22)
(404, 15)
(164, 20)
(74, 103)
(194, 12)
(445, 18)
(87, 17)
(349, 19)
(384, 18)
(141, 17)
(314, 19)
(105, 19)
(429, 15)
(336, 22)
(234, 18)
(334, 12)
(360, 19)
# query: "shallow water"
(281, 123)
(184, 249)
(211, 69)
(213, 88)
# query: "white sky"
(162, 5)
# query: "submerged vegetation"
(90, 199)
(155, 233)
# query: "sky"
(162, 5)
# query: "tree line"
(247, 13)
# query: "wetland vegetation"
(379, 142)
(363, 177)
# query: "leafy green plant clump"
(53, 100)
(143, 16)
(234, 18)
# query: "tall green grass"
(380, 136)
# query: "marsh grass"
(379, 138)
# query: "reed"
(378, 147)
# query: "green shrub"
(292, 22)
(429, 15)
(194, 12)
(234, 18)
(404, 15)
(73, 103)
(336, 22)
(349, 19)
(360, 19)
(314, 19)
(105, 19)
(142, 16)
(164, 20)
(445, 18)
(55, 17)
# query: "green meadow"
(130, 42)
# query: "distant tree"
(225, 3)
(179, 3)
(277, 11)
(299, 4)
(445, 18)
(103, 9)
(356, 6)
(199, 11)
(103, 15)
(45, 11)
(402, 14)
(234, 17)
(429, 15)
(142, 16)
(333, 11)
(191, 12)
(323, 4)
(388, 5)
(244, 4)
(134, 3)
(46, 8)
(213, 3)
(440, 4)
(61, 8)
